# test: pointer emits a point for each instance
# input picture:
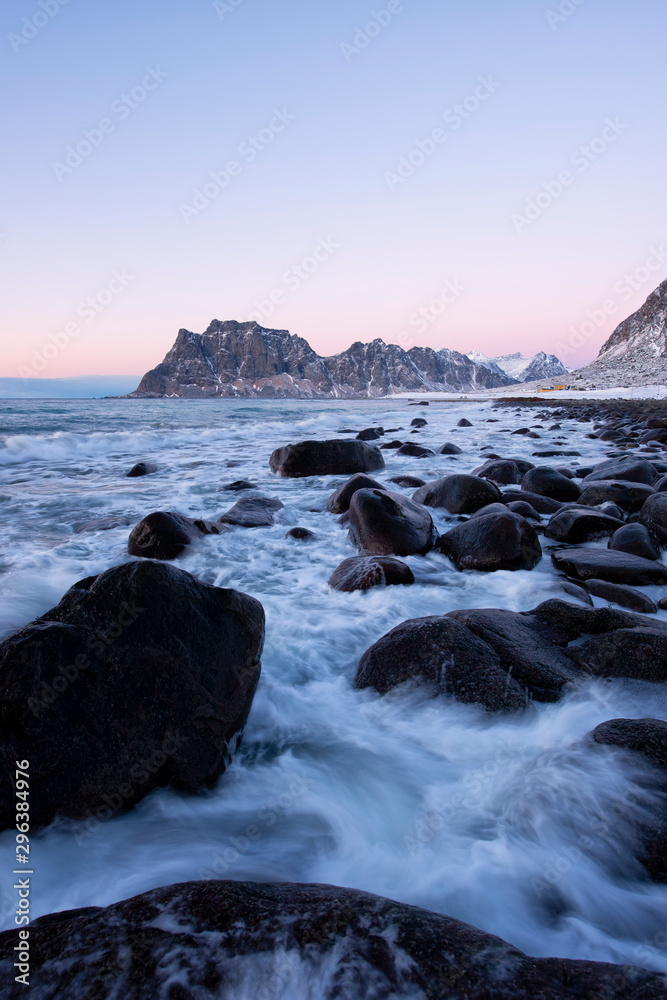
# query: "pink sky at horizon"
(484, 146)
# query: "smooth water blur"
(512, 824)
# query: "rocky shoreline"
(143, 677)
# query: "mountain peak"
(245, 359)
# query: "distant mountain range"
(636, 352)
(244, 359)
(522, 369)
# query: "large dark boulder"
(339, 501)
(165, 534)
(448, 656)
(654, 517)
(501, 470)
(326, 458)
(252, 512)
(628, 496)
(547, 482)
(610, 565)
(574, 525)
(449, 448)
(140, 677)
(635, 539)
(383, 523)
(491, 542)
(458, 494)
(227, 940)
(632, 470)
(364, 572)
(532, 649)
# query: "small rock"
(364, 572)
(418, 422)
(302, 534)
(450, 449)
(370, 434)
(464, 423)
(142, 469)
(252, 512)
(408, 481)
(415, 451)
(165, 534)
(238, 486)
(625, 596)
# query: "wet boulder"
(141, 677)
(632, 470)
(445, 654)
(418, 422)
(492, 542)
(610, 565)
(142, 469)
(227, 939)
(543, 505)
(573, 525)
(532, 650)
(618, 593)
(408, 482)
(628, 496)
(166, 534)
(370, 434)
(458, 494)
(383, 523)
(339, 501)
(415, 451)
(523, 509)
(252, 512)
(549, 483)
(238, 486)
(654, 517)
(326, 458)
(301, 534)
(635, 539)
(364, 572)
(464, 423)
(503, 471)
(450, 449)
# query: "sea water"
(513, 824)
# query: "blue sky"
(339, 94)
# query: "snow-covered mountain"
(244, 359)
(636, 352)
(522, 369)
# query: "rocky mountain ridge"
(232, 359)
(636, 352)
(521, 369)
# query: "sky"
(482, 175)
